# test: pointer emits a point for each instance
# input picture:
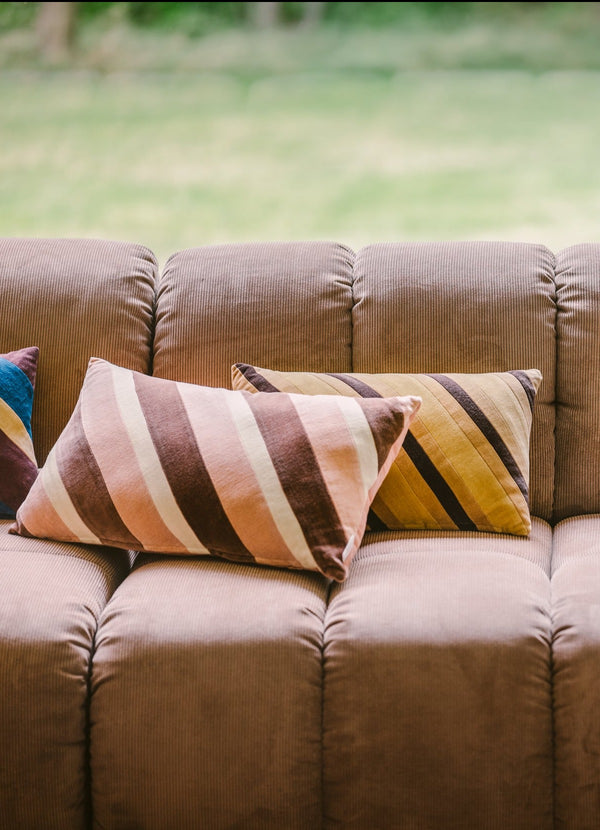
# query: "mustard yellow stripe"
(404, 500)
(13, 427)
(504, 402)
(308, 383)
(476, 475)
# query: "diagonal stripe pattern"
(147, 463)
(18, 466)
(464, 464)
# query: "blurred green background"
(184, 124)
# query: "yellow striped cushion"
(464, 464)
(152, 464)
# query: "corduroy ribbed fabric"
(74, 299)
(462, 307)
(576, 661)
(206, 698)
(280, 304)
(578, 381)
(51, 596)
(437, 699)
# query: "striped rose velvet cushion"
(465, 460)
(18, 466)
(147, 463)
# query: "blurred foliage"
(257, 38)
(196, 19)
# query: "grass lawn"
(180, 159)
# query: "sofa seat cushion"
(437, 680)
(576, 657)
(206, 698)
(51, 597)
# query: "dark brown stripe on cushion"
(184, 467)
(481, 420)
(383, 433)
(87, 490)
(303, 486)
(255, 378)
(428, 471)
(525, 382)
(362, 389)
(437, 483)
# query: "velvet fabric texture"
(465, 460)
(18, 465)
(152, 464)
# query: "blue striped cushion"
(18, 466)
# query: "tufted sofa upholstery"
(452, 682)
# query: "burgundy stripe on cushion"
(184, 468)
(14, 488)
(302, 481)
(26, 360)
(86, 487)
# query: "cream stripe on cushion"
(263, 528)
(367, 461)
(134, 423)
(260, 461)
(58, 496)
(115, 452)
(12, 425)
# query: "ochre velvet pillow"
(18, 466)
(464, 464)
(152, 464)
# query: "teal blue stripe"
(17, 391)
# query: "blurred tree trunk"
(265, 15)
(55, 25)
(313, 13)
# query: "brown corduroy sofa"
(452, 681)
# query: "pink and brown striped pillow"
(147, 463)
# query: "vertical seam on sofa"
(352, 306)
(89, 818)
(553, 514)
(323, 804)
(553, 506)
(552, 702)
(153, 329)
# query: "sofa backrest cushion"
(74, 299)
(578, 381)
(285, 305)
(463, 307)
